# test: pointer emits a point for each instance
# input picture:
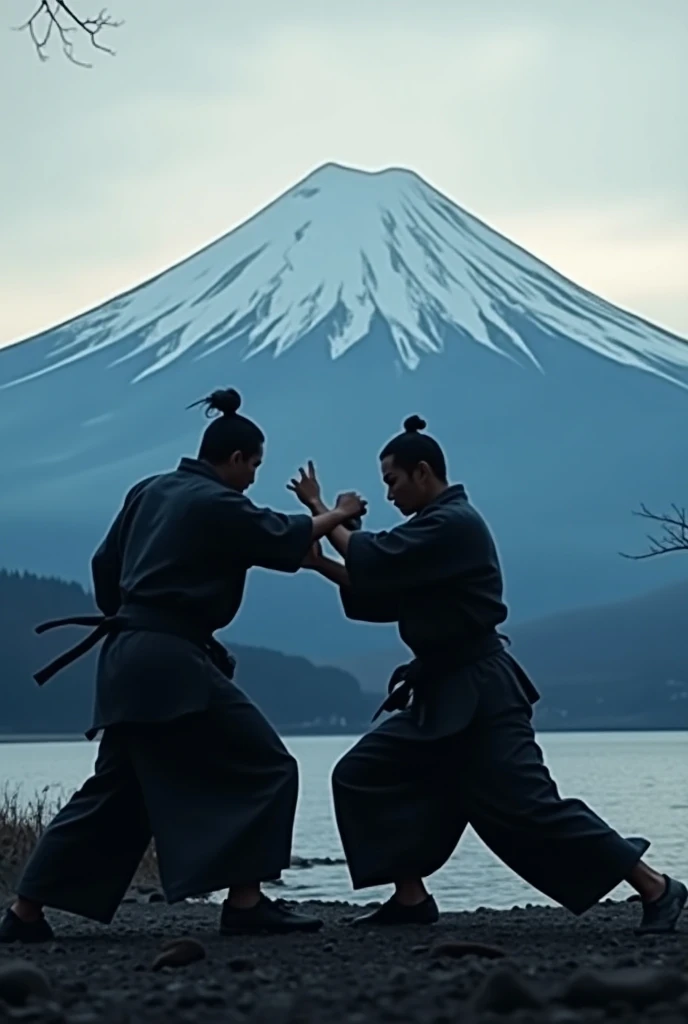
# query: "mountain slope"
(342, 248)
(348, 303)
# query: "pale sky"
(559, 122)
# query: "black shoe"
(661, 916)
(266, 916)
(395, 913)
(13, 929)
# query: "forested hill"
(291, 691)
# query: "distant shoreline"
(344, 733)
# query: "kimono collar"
(456, 492)
(201, 469)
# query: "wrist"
(343, 517)
(318, 507)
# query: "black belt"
(137, 619)
(408, 683)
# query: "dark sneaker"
(395, 913)
(13, 929)
(267, 916)
(661, 916)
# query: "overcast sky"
(560, 122)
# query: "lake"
(638, 781)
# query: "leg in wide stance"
(402, 804)
(85, 860)
(216, 790)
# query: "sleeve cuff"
(357, 559)
(302, 526)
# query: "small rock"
(504, 991)
(418, 950)
(20, 981)
(461, 949)
(179, 953)
(38, 1013)
(328, 947)
(635, 986)
(240, 964)
(563, 1015)
(301, 862)
(156, 897)
(628, 960)
(77, 986)
(397, 976)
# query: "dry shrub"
(22, 823)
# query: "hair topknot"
(225, 402)
(414, 424)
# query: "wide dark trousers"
(216, 790)
(404, 796)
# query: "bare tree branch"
(673, 534)
(57, 18)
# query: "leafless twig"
(58, 18)
(673, 535)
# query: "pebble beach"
(158, 963)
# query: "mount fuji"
(351, 301)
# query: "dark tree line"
(291, 691)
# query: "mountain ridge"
(442, 258)
(556, 461)
(335, 165)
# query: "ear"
(235, 458)
(422, 472)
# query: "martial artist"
(185, 758)
(460, 748)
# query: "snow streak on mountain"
(338, 250)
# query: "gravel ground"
(539, 964)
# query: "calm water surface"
(638, 781)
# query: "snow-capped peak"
(344, 247)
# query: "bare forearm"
(338, 535)
(327, 522)
(339, 539)
(333, 571)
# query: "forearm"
(326, 522)
(333, 571)
(338, 535)
(339, 539)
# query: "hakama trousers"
(216, 790)
(404, 795)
